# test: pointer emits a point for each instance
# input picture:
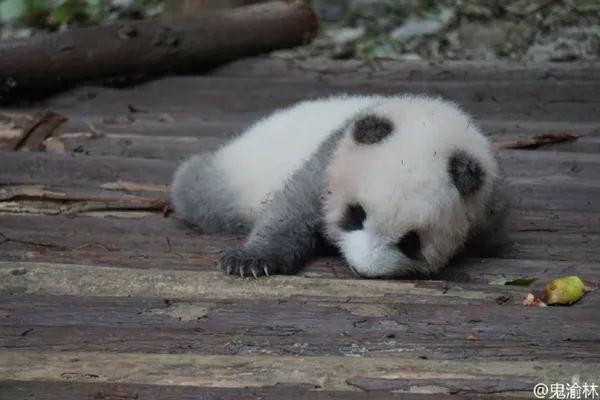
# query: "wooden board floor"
(103, 296)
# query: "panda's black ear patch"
(372, 129)
(466, 172)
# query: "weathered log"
(153, 47)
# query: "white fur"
(258, 161)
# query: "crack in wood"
(6, 239)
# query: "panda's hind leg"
(201, 197)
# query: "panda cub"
(396, 185)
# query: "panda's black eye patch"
(410, 245)
(353, 218)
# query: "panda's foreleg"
(289, 232)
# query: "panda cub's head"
(410, 179)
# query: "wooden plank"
(286, 341)
(69, 169)
(366, 320)
(128, 199)
(554, 246)
(219, 98)
(472, 270)
(395, 312)
(527, 194)
(194, 125)
(127, 122)
(138, 146)
(470, 92)
(159, 91)
(181, 147)
(568, 237)
(390, 70)
(81, 136)
(78, 169)
(146, 142)
(557, 237)
(156, 243)
(521, 222)
(250, 109)
(82, 280)
(328, 373)
(40, 390)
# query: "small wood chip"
(536, 141)
(134, 187)
(33, 131)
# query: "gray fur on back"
(491, 233)
(199, 195)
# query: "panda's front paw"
(247, 262)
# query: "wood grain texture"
(103, 296)
(185, 339)
(530, 167)
(218, 99)
(554, 237)
(193, 123)
(329, 373)
(67, 390)
(84, 280)
(406, 313)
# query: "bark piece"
(34, 131)
(533, 142)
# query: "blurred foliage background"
(53, 14)
(532, 30)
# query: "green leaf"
(68, 11)
(515, 282)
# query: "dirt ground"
(522, 30)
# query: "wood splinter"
(533, 142)
(33, 131)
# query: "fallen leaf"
(516, 282)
